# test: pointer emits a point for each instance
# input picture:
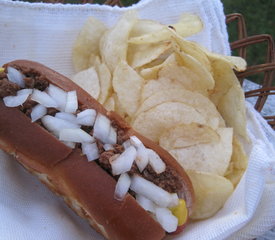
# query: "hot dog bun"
(67, 172)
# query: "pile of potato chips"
(174, 92)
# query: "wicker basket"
(267, 68)
(241, 44)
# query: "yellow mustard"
(2, 69)
(180, 212)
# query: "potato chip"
(145, 32)
(144, 26)
(196, 66)
(212, 157)
(191, 79)
(238, 163)
(188, 24)
(193, 99)
(151, 71)
(237, 63)
(110, 104)
(87, 43)
(88, 80)
(105, 81)
(114, 42)
(139, 55)
(193, 49)
(186, 135)
(159, 119)
(127, 85)
(162, 34)
(155, 85)
(211, 192)
(229, 97)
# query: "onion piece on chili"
(16, 76)
(153, 192)
(59, 95)
(90, 150)
(38, 111)
(75, 135)
(86, 117)
(71, 102)
(123, 163)
(66, 116)
(166, 219)
(147, 204)
(155, 161)
(15, 101)
(122, 186)
(43, 98)
(55, 125)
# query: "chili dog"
(126, 186)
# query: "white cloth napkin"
(45, 33)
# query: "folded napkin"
(45, 33)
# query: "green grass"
(260, 19)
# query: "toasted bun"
(68, 173)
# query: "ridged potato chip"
(139, 55)
(127, 85)
(212, 157)
(238, 163)
(87, 43)
(229, 97)
(147, 32)
(88, 80)
(189, 98)
(187, 135)
(105, 80)
(114, 42)
(156, 85)
(211, 192)
(155, 121)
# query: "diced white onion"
(126, 144)
(25, 91)
(108, 147)
(102, 127)
(155, 161)
(66, 116)
(122, 186)
(69, 144)
(16, 77)
(55, 125)
(147, 204)
(59, 95)
(90, 150)
(166, 219)
(151, 191)
(43, 98)
(124, 161)
(136, 142)
(174, 200)
(15, 101)
(75, 135)
(142, 158)
(71, 102)
(112, 136)
(38, 111)
(86, 117)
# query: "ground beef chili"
(168, 180)
(35, 80)
(7, 88)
